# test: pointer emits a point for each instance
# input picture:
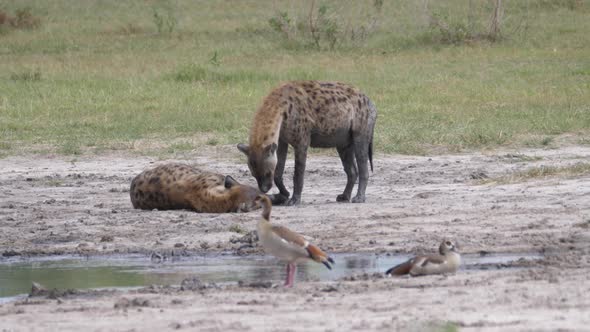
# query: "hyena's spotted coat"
(317, 114)
(179, 186)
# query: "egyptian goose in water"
(286, 244)
(447, 261)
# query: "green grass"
(98, 75)
(236, 228)
(438, 326)
(449, 327)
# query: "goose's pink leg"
(291, 269)
(288, 274)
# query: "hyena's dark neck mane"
(268, 120)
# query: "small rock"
(330, 289)
(179, 245)
(423, 195)
(191, 284)
(122, 303)
(10, 253)
(84, 246)
(250, 238)
(156, 256)
(37, 289)
(478, 175)
(139, 302)
(251, 302)
(107, 238)
(255, 284)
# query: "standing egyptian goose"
(286, 244)
(447, 261)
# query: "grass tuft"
(557, 4)
(27, 76)
(5, 146)
(70, 148)
(180, 147)
(236, 228)
(196, 73)
(22, 19)
(212, 141)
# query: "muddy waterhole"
(16, 275)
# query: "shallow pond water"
(16, 275)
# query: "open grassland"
(103, 75)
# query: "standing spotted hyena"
(179, 186)
(317, 114)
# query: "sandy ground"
(64, 205)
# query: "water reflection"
(354, 262)
(130, 271)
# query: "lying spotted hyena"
(317, 114)
(179, 186)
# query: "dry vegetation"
(22, 19)
(541, 172)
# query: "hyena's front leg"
(283, 195)
(347, 157)
(300, 159)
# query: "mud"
(61, 205)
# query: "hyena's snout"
(264, 184)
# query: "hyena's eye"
(267, 174)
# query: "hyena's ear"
(270, 149)
(244, 148)
(230, 182)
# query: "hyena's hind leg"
(362, 138)
(361, 154)
(347, 157)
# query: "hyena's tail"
(373, 119)
(371, 153)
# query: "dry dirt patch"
(55, 205)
